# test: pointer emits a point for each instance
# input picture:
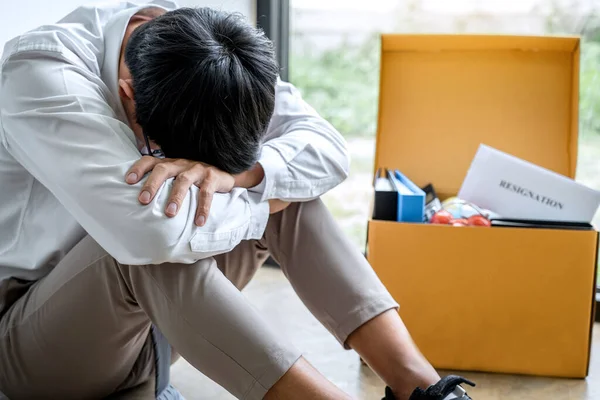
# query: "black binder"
(385, 205)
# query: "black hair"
(204, 85)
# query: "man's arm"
(304, 157)
(56, 123)
(208, 179)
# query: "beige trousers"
(81, 332)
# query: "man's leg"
(239, 266)
(74, 333)
(78, 332)
(340, 288)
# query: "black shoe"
(440, 391)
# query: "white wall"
(23, 15)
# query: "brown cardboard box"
(486, 299)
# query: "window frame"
(273, 17)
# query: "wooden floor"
(272, 294)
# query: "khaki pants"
(81, 332)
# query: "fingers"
(187, 173)
(182, 184)
(159, 175)
(205, 196)
(140, 168)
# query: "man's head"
(202, 85)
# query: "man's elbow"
(337, 172)
(342, 164)
(341, 155)
(345, 164)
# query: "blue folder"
(411, 199)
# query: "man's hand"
(209, 180)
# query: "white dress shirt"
(66, 147)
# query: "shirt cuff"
(260, 216)
(273, 164)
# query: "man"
(238, 162)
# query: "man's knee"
(175, 280)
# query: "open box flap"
(443, 95)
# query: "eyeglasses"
(152, 153)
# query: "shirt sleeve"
(55, 121)
(305, 155)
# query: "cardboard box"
(504, 300)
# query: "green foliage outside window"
(589, 104)
(342, 82)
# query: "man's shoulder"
(50, 41)
(40, 39)
(73, 42)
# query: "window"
(334, 61)
(333, 57)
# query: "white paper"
(514, 188)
